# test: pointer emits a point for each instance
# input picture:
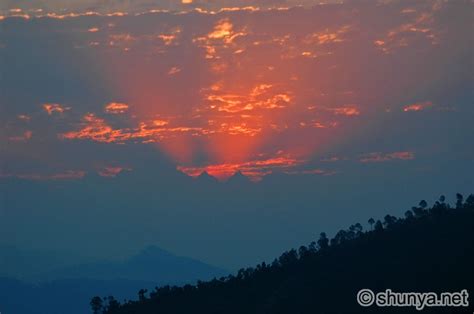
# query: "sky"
(305, 116)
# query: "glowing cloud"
(111, 172)
(346, 111)
(254, 169)
(327, 36)
(261, 96)
(98, 130)
(418, 106)
(255, 80)
(116, 108)
(174, 70)
(55, 108)
(171, 37)
(222, 36)
(421, 26)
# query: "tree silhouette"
(459, 201)
(371, 222)
(141, 294)
(96, 305)
(112, 304)
(378, 226)
(388, 220)
(469, 201)
(423, 204)
(421, 209)
(323, 242)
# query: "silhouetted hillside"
(431, 249)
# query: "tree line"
(287, 284)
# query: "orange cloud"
(421, 26)
(93, 30)
(112, 172)
(116, 108)
(254, 169)
(418, 106)
(170, 38)
(98, 130)
(174, 70)
(322, 125)
(347, 111)
(55, 108)
(327, 36)
(222, 36)
(259, 97)
(223, 30)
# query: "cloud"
(97, 129)
(116, 108)
(261, 96)
(112, 171)
(222, 37)
(252, 74)
(346, 111)
(420, 27)
(327, 36)
(418, 106)
(174, 70)
(381, 157)
(317, 171)
(66, 175)
(254, 169)
(55, 108)
(171, 37)
(26, 136)
(24, 117)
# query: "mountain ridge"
(428, 250)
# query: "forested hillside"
(430, 249)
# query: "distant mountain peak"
(206, 176)
(238, 176)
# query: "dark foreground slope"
(431, 249)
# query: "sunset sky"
(340, 96)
